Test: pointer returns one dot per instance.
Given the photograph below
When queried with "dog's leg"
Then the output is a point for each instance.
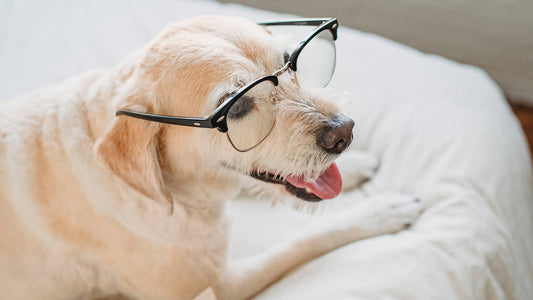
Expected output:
(378, 215)
(356, 167)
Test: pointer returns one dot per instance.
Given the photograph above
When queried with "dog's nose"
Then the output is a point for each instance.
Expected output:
(337, 135)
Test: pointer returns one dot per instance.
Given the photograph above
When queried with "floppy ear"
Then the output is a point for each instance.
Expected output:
(130, 149)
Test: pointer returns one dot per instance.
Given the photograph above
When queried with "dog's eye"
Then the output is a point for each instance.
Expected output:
(241, 108)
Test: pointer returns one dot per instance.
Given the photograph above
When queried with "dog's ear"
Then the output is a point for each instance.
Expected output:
(129, 148)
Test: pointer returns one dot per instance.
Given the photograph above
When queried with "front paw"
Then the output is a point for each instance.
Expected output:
(390, 213)
(356, 167)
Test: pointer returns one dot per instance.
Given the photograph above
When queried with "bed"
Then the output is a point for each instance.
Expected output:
(440, 130)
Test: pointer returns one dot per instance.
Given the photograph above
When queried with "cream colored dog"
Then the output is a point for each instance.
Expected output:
(95, 205)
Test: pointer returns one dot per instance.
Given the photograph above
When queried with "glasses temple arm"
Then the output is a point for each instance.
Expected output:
(305, 22)
(183, 121)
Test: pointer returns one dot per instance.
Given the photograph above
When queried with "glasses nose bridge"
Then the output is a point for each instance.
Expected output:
(279, 72)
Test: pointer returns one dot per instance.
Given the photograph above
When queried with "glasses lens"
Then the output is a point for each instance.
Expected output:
(251, 117)
(316, 61)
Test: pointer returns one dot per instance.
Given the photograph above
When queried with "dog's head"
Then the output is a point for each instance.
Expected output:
(190, 69)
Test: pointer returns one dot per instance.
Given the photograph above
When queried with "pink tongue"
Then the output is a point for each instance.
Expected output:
(327, 186)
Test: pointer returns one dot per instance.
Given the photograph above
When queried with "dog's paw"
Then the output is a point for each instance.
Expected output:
(356, 168)
(390, 213)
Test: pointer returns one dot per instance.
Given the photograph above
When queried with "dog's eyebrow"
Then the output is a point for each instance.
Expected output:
(232, 89)
(223, 98)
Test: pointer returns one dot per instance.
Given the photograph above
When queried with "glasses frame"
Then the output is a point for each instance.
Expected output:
(218, 118)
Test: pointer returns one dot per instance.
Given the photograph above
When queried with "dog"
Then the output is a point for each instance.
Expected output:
(96, 204)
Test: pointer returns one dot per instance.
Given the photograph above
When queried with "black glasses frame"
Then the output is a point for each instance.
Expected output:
(217, 119)
(331, 24)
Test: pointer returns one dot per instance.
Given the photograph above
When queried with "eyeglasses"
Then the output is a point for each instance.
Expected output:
(248, 116)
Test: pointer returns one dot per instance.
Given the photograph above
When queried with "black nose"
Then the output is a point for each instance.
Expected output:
(337, 135)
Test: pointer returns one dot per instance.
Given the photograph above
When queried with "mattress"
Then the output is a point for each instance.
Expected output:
(439, 129)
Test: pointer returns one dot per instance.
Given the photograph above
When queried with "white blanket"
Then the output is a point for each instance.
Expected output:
(440, 130)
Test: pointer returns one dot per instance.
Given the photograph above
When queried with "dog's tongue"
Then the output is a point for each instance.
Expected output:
(327, 186)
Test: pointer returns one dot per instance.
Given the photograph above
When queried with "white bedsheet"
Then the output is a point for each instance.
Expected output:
(441, 131)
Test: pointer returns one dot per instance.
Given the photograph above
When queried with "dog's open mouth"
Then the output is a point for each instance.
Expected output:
(327, 186)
